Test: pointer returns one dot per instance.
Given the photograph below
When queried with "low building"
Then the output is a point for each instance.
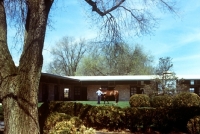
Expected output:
(54, 87)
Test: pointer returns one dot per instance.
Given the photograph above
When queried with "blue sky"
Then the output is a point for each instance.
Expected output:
(177, 35)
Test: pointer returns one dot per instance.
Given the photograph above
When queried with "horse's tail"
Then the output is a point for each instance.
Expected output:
(117, 97)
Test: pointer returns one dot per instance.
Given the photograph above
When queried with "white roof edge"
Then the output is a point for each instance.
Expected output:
(128, 77)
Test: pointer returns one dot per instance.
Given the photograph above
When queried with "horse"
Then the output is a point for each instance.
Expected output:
(108, 93)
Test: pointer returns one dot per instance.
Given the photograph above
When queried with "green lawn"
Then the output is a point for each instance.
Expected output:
(121, 104)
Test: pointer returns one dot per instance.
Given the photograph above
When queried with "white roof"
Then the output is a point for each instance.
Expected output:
(113, 78)
(127, 77)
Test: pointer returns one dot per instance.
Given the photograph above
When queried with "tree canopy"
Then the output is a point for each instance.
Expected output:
(119, 60)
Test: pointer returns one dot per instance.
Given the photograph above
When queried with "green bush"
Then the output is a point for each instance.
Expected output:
(52, 119)
(72, 126)
(193, 125)
(162, 101)
(55, 117)
(139, 100)
(137, 118)
(186, 99)
(109, 117)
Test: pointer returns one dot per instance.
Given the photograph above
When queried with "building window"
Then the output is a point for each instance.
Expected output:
(192, 82)
(66, 93)
(191, 90)
(133, 91)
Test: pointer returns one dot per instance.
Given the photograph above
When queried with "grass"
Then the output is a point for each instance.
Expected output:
(121, 104)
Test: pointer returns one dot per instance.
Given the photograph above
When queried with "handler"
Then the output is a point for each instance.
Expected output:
(99, 93)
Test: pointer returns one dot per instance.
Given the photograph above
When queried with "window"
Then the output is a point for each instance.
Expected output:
(191, 90)
(66, 92)
(133, 91)
(192, 82)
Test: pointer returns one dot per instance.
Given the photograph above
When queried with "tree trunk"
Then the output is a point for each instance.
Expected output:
(19, 85)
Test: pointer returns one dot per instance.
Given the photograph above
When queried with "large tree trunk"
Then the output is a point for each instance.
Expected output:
(19, 85)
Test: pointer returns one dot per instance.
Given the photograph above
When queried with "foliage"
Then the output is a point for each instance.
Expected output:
(120, 59)
(61, 123)
(186, 99)
(52, 119)
(163, 119)
(162, 101)
(139, 117)
(68, 127)
(110, 117)
(139, 100)
(70, 108)
(193, 125)
(165, 76)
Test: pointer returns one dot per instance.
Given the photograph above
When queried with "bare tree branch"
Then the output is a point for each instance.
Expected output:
(102, 13)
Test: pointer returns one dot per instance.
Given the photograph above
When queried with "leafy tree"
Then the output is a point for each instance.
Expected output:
(119, 60)
(141, 62)
(165, 65)
(66, 56)
(165, 79)
(167, 76)
(19, 84)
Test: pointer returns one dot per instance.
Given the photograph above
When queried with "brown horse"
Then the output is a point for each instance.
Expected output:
(108, 93)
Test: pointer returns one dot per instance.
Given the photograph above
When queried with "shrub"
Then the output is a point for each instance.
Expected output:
(52, 119)
(137, 118)
(186, 99)
(109, 117)
(193, 125)
(72, 126)
(161, 101)
(139, 100)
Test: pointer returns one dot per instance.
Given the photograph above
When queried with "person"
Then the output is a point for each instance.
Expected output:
(99, 93)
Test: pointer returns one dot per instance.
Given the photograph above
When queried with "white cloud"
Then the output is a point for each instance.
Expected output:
(193, 36)
(193, 58)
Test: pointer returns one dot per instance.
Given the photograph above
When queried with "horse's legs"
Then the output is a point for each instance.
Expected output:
(116, 98)
(106, 99)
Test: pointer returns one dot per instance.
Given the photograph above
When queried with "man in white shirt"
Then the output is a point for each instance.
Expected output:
(99, 93)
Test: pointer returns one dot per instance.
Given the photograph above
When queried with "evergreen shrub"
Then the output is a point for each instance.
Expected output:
(139, 100)
(52, 119)
(162, 101)
(186, 99)
(109, 117)
(137, 118)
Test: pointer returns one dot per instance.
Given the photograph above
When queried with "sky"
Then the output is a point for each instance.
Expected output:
(176, 36)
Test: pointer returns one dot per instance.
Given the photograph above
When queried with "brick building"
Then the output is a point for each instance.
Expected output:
(54, 87)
